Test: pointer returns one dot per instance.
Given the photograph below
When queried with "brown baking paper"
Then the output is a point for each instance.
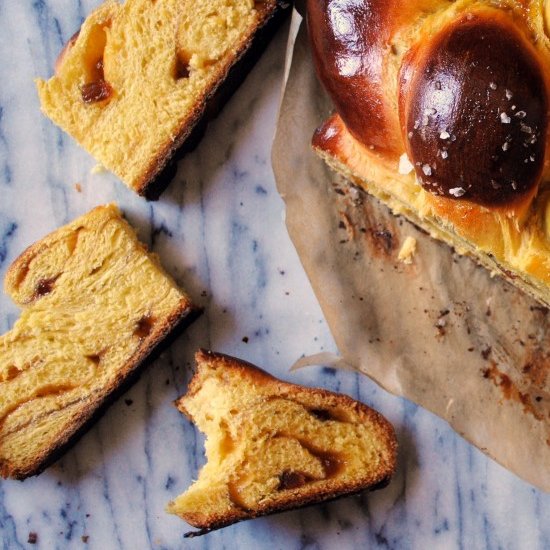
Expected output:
(440, 330)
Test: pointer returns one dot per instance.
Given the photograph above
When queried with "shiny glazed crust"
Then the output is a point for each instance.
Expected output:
(418, 151)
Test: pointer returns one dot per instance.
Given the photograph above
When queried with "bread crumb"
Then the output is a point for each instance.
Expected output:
(347, 225)
(33, 538)
(78, 187)
(407, 251)
(98, 169)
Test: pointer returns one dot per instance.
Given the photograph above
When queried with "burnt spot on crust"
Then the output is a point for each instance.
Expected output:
(473, 108)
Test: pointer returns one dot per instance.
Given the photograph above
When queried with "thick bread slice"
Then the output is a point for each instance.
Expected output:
(95, 305)
(272, 446)
(139, 76)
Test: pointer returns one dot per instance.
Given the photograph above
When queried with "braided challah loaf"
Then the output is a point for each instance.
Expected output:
(442, 113)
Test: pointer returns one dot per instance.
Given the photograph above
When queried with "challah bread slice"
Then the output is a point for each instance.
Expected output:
(95, 305)
(139, 76)
(272, 445)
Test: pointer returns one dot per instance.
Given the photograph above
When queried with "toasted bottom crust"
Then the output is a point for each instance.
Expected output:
(329, 497)
(135, 366)
(164, 167)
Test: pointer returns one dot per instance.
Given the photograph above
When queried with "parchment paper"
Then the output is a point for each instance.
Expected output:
(440, 331)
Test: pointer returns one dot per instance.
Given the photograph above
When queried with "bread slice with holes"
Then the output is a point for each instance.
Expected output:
(138, 77)
(95, 306)
(272, 445)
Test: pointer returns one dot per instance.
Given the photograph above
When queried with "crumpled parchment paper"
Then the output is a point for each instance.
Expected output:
(439, 331)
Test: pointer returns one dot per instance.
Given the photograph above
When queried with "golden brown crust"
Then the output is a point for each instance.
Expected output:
(208, 360)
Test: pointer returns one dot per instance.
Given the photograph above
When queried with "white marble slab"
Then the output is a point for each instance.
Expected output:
(219, 230)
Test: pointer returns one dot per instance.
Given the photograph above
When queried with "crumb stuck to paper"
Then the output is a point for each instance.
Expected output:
(78, 187)
(408, 250)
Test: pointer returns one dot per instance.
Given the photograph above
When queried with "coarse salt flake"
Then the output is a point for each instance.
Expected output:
(457, 191)
(444, 135)
(405, 165)
(427, 169)
(505, 119)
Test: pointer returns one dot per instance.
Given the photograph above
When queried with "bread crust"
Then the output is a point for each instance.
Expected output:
(334, 489)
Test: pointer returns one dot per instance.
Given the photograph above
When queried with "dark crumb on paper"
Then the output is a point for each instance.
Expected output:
(78, 187)
(471, 349)
(488, 312)
(540, 309)
(384, 238)
(85, 538)
(167, 382)
(128, 402)
(245, 339)
(33, 538)
(440, 328)
(337, 189)
(204, 294)
(485, 352)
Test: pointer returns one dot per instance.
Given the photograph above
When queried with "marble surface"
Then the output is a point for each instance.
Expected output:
(219, 229)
